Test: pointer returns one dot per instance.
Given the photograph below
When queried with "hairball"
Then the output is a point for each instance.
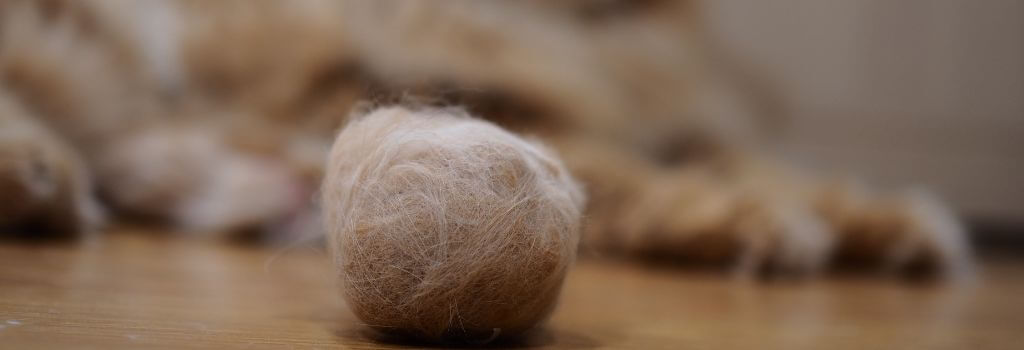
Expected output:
(447, 228)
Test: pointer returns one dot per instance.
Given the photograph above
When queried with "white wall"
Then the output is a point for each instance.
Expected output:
(904, 92)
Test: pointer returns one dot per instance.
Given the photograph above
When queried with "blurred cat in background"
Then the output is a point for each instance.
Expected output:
(216, 116)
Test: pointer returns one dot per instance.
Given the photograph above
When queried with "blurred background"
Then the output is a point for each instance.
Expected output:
(217, 116)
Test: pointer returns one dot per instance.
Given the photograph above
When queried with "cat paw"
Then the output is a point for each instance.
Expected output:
(911, 233)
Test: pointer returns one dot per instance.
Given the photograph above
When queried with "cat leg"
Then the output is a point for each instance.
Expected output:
(692, 215)
(190, 178)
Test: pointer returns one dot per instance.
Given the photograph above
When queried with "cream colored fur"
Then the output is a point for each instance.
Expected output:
(182, 109)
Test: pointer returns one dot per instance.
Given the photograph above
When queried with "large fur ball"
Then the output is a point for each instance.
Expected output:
(447, 228)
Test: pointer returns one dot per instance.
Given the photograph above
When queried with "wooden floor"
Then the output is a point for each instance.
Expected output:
(142, 290)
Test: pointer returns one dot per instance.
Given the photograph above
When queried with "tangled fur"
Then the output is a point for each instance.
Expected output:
(448, 228)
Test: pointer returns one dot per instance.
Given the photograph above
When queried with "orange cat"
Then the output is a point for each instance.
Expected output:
(217, 116)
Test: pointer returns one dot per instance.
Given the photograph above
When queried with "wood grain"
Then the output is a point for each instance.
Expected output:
(130, 290)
